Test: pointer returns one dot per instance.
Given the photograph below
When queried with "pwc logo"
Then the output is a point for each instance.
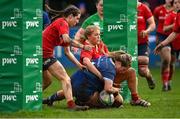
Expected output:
(8, 24)
(30, 98)
(32, 24)
(32, 61)
(8, 98)
(6, 61)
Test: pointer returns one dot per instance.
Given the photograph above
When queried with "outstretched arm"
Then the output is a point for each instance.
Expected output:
(75, 43)
(72, 58)
(169, 39)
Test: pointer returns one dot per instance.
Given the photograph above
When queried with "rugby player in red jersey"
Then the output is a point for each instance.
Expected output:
(173, 35)
(160, 13)
(57, 34)
(175, 45)
(144, 17)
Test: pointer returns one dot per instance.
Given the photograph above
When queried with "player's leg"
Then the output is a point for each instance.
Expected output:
(172, 68)
(165, 68)
(46, 74)
(76, 80)
(46, 79)
(143, 62)
(130, 76)
(58, 71)
(165, 55)
(132, 84)
(55, 97)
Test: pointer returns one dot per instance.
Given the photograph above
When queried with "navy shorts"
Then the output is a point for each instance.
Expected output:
(48, 62)
(160, 38)
(84, 84)
(143, 50)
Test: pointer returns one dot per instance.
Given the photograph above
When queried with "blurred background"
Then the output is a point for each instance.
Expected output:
(88, 8)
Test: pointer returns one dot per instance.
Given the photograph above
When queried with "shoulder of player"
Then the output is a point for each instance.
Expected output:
(144, 6)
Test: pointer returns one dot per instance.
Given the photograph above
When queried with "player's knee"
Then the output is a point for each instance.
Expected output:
(143, 69)
(165, 64)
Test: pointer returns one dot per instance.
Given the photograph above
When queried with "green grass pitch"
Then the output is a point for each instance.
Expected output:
(164, 104)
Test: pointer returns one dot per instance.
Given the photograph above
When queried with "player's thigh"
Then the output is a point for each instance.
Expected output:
(46, 76)
(58, 71)
(165, 53)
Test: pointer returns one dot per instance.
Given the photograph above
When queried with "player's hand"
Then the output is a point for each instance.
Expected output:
(143, 34)
(158, 48)
(87, 47)
(81, 66)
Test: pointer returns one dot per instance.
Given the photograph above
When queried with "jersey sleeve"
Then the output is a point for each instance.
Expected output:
(148, 12)
(177, 24)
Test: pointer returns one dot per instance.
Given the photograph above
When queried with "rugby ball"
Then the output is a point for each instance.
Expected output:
(106, 99)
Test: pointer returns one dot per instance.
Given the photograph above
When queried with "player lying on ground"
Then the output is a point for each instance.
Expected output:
(92, 36)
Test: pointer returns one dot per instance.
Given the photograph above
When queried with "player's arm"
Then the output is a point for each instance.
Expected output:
(169, 39)
(150, 28)
(78, 35)
(167, 28)
(74, 43)
(72, 58)
(91, 67)
(108, 86)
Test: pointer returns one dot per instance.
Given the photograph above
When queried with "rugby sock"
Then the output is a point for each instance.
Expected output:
(165, 77)
(71, 104)
(134, 96)
(53, 97)
(171, 72)
(56, 97)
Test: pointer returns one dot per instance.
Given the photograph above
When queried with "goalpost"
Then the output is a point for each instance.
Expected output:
(120, 31)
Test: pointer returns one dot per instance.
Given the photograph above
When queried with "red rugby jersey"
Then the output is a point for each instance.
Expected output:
(160, 13)
(52, 36)
(95, 53)
(144, 13)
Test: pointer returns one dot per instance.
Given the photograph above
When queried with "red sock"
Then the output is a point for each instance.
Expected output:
(135, 96)
(71, 104)
(171, 73)
(165, 77)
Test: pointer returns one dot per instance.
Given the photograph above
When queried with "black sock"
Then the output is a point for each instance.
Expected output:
(54, 97)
